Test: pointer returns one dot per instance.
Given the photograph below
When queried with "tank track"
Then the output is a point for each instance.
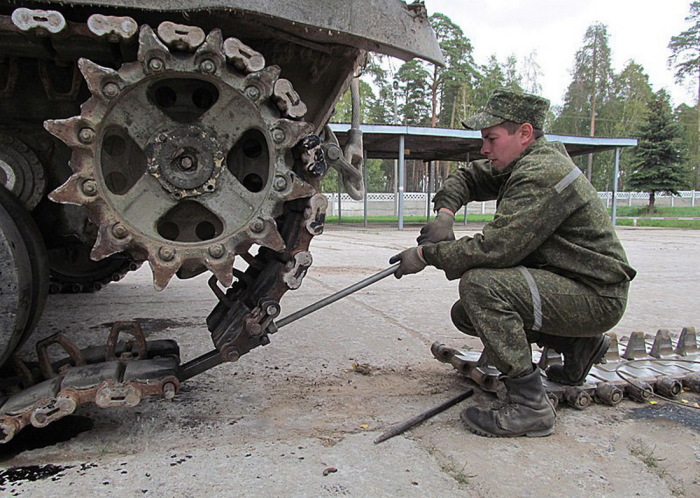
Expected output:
(662, 367)
(119, 374)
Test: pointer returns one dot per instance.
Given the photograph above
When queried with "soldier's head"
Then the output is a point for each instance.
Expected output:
(509, 123)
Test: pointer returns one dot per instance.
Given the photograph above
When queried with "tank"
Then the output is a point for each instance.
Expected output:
(134, 132)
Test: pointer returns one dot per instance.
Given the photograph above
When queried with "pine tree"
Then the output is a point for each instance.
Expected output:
(589, 89)
(658, 164)
(685, 58)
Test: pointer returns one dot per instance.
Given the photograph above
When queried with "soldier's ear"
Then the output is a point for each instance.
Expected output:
(526, 132)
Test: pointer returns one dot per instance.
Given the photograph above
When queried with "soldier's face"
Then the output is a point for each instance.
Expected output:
(500, 147)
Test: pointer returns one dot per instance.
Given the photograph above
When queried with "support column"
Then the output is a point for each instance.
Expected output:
(431, 182)
(365, 180)
(340, 189)
(402, 178)
(614, 186)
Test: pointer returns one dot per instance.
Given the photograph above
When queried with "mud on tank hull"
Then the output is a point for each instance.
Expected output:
(133, 132)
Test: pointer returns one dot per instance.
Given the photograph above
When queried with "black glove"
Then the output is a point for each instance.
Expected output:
(411, 261)
(437, 230)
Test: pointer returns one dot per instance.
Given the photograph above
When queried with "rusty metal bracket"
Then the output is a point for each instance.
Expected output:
(139, 340)
(42, 352)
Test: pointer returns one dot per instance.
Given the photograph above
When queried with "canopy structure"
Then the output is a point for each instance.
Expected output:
(446, 144)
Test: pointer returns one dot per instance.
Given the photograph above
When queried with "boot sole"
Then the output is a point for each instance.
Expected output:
(481, 432)
(596, 358)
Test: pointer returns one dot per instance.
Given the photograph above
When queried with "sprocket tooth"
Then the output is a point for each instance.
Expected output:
(222, 268)
(264, 80)
(162, 271)
(69, 131)
(101, 81)
(264, 232)
(287, 133)
(150, 46)
(212, 47)
(69, 192)
(105, 245)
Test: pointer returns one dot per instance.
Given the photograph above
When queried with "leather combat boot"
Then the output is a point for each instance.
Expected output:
(527, 411)
(580, 354)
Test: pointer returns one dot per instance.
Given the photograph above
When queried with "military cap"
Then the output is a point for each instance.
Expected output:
(508, 105)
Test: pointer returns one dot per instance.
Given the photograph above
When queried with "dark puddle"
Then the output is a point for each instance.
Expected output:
(31, 438)
(689, 417)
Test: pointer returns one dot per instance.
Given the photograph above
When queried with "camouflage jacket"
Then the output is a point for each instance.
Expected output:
(548, 216)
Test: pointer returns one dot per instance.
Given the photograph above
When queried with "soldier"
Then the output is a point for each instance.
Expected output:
(549, 268)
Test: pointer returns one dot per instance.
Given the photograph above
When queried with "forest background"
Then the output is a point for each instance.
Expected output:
(598, 102)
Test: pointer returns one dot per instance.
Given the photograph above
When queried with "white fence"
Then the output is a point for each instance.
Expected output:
(418, 203)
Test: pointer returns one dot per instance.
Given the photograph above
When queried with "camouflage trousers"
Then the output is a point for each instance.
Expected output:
(510, 308)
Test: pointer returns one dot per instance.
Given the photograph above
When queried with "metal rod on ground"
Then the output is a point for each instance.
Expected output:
(422, 417)
(338, 295)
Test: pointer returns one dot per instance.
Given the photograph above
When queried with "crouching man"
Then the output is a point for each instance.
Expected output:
(549, 268)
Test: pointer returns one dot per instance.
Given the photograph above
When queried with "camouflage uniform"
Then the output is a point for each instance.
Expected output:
(549, 262)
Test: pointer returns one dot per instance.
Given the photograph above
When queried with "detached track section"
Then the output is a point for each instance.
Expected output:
(664, 367)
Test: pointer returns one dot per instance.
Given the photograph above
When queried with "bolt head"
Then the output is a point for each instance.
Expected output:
(217, 251)
(207, 66)
(89, 187)
(333, 153)
(119, 231)
(110, 90)
(156, 64)
(86, 135)
(280, 183)
(278, 135)
(166, 253)
(257, 225)
(252, 92)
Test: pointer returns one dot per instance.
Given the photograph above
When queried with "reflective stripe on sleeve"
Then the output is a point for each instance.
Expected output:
(567, 180)
(536, 300)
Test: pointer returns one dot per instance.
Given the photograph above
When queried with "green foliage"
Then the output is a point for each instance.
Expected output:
(590, 85)
(685, 47)
(413, 86)
(685, 59)
(688, 119)
(658, 164)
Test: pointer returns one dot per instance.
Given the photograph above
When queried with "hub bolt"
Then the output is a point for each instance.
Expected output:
(252, 92)
(207, 66)
(110, 90)
(156, 64)
(216, 251)
(89, 187)
(278, 135)
(187, 163)
(280, 183)
(119, 231)
(86, 135)
(166, 253)
(257, 225)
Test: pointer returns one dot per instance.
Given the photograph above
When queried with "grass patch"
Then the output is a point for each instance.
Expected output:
(641, 222)
(663, 211)
(644, 219)
(645, 454)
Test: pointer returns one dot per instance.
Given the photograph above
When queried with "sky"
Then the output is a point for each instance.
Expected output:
(638, 30)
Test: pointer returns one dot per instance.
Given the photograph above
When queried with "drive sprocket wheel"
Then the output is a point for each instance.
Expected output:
(184, 156)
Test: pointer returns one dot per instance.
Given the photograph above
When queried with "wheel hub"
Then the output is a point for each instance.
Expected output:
(186, 161)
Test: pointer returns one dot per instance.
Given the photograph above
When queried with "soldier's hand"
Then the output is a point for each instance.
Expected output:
(439, 229)
(411, 261)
